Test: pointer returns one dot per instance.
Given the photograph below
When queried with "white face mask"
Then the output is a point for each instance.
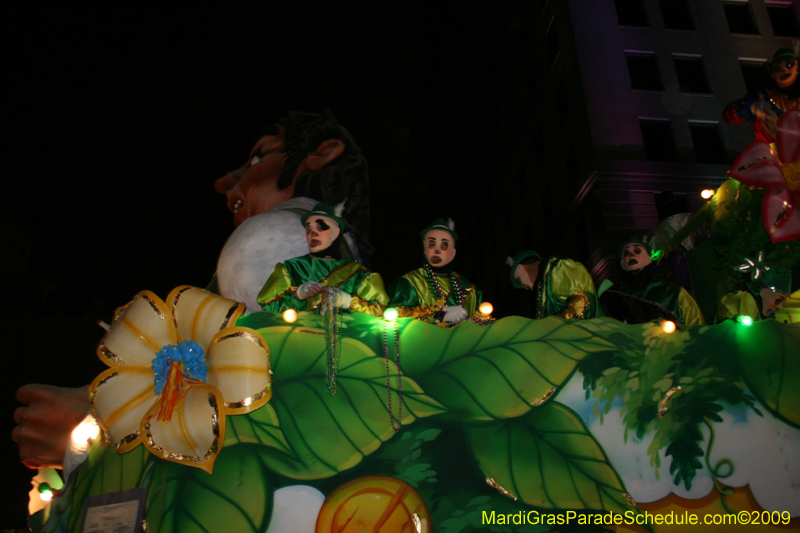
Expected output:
(634, 257)
(784, 73)
(321, 231)
(771, 301)
(439, 247)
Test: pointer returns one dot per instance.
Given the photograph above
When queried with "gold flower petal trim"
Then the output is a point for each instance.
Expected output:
(540, 401)
(123, 398)
(630, 499)
(662, 407)
(791, 174)
(492, 483)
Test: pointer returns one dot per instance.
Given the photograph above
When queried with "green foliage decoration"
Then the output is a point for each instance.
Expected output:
(104, 471)
(485, 374)
(670, 389)
(768, 353)
(549, 459)
(498, 383)
(319, 434)
(236, 497)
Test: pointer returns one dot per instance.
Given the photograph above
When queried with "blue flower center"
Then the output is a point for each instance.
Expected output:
(191, 361)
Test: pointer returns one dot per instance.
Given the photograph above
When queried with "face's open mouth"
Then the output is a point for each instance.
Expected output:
(632, 261)
(436, 259)
(235, 203)
(314, 243)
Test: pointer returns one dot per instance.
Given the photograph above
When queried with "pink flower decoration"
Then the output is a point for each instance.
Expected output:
(757, 165)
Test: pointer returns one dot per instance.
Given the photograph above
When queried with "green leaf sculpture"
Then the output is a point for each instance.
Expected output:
(258, 427)
(104, 471)
(323, 434)
(499, 381)
(489, 373)
(549, 459)
(237, 497)
(768, 354)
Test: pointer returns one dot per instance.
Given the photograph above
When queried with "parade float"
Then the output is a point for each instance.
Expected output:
(216, 420)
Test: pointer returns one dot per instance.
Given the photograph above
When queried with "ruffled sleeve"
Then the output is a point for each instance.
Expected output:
(371, 297)
(404, 295)
(568, 282)
(739, 111)
(689, 310)
(735, 304)
(278, 294)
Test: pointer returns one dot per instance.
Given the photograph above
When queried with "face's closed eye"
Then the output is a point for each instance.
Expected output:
(320, 233)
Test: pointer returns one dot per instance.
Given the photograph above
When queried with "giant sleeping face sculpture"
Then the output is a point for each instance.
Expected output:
(635, 256)
(439, 247)
(253, 188)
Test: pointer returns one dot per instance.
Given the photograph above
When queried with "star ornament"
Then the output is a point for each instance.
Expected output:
(779, 173)
(755, 267)
(177, 369)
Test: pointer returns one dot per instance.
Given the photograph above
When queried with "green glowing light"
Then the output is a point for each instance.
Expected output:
(744, 320)
(390, 314)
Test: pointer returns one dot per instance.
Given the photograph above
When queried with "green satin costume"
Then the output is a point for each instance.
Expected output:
(671, 297)
(366, 288)
(413, 295)
(564, 279)
(738, 303)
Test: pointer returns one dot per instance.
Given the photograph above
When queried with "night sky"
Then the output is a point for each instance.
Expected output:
(117, 123)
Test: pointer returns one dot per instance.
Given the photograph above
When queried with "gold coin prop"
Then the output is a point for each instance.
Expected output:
(374, 504)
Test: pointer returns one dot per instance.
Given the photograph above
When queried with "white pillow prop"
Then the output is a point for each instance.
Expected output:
(256, 246)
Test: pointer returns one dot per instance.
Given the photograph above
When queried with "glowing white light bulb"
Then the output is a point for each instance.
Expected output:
(86, 431)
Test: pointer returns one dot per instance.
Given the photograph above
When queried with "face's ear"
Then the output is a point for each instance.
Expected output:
(335, 229)
(326, 152)
(522, 276)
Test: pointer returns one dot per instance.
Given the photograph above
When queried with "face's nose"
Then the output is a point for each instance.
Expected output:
(225, 183)
(228, 181)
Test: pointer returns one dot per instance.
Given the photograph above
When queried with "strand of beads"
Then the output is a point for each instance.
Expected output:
(333, 341)
(437, 289)
(391, 324)
(540, 301)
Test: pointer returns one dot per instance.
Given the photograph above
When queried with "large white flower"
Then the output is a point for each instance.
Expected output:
(177, 370)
